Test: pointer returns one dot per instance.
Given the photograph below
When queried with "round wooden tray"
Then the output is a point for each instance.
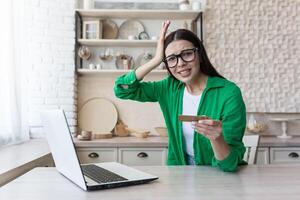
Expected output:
(98, 115)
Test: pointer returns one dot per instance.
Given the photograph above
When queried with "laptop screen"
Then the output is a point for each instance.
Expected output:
(61, 145)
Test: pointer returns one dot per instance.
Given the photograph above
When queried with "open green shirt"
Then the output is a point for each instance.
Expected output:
(220, 100)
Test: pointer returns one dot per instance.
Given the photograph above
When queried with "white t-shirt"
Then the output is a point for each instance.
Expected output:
(190, 105)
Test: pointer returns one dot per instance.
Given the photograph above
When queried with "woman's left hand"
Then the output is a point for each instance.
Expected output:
(212, 129)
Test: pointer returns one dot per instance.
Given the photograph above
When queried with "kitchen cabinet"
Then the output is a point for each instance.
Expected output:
(276, 155)
(143, 156)
(284, 155)
(129, 155)
(96, 155)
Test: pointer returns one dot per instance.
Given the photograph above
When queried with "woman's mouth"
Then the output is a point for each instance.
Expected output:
(185, 72)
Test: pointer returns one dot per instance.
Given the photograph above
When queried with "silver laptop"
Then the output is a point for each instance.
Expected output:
(87, 176)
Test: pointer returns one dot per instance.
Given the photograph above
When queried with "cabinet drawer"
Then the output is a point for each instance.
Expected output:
(143, 156)
(285, 155)
(95, 155)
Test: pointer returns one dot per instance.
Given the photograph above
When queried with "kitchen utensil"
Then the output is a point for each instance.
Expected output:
(121, 129)
(109, 29)
(124, 61)
(85, 135)
(138, 132)
(190, 118)
(84, 52)
(162, 131)
(130, 27)
(98, 115)
(107, 55)
(102, 135)
(144, 36)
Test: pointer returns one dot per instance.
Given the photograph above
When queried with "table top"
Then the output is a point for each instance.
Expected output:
(175, 182)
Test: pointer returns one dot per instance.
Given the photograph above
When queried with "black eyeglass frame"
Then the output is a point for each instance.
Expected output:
(180, 55)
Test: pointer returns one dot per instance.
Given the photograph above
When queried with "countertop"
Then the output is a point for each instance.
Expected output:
(157, 141)
(175, 182)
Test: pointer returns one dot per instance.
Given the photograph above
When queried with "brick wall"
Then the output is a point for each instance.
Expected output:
(51, 75)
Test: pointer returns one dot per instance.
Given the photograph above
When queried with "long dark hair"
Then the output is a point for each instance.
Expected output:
(183, 34)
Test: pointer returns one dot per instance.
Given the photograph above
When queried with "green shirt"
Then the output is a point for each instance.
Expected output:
(220, 100)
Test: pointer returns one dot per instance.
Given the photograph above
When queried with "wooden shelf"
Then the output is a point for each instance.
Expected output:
(118, 42)
(111, 71)
(140, 14)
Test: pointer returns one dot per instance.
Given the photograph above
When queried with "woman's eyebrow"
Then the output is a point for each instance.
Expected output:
(173, 54)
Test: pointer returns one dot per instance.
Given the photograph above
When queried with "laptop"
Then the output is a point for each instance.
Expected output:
(89, 177)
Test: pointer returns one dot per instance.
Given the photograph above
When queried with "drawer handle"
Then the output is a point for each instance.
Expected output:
(293, 155)
(142, 155)
(93, 155)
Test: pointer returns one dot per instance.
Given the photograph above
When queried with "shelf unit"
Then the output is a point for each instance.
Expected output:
(111, 71)
(195, 17)
(140, 14)
(118, 43)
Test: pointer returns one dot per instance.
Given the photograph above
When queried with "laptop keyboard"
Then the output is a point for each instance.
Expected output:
(100, 175)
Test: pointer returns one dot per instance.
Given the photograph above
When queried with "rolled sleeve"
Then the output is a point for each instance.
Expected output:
(128, 86)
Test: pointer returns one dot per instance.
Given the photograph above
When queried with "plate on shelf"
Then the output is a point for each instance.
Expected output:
(124, 61)
(130, 28)
(110, 29)
(98, 115)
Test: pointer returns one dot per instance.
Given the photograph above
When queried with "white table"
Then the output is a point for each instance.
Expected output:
(186, 182)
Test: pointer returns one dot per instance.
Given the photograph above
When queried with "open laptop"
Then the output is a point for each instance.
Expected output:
(87, 176)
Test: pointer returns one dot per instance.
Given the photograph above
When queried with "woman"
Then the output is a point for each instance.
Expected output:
(193, 87)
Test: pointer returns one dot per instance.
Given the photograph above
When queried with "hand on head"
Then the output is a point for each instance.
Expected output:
(159, 55)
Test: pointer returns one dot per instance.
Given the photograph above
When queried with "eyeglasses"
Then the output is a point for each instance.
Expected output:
(187, 55)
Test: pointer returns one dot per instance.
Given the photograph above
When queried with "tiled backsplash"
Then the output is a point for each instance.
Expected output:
(256, 44)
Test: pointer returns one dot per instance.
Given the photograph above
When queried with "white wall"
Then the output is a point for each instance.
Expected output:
(51, 78)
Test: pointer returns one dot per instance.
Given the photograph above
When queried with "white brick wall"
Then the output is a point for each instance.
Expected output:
(51, 76)
(257, 45)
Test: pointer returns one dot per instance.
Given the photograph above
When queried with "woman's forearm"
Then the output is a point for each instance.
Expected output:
(143, 70)
(221, 148)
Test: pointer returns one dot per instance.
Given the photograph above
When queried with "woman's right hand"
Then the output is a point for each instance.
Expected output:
(159, 55)
(146, 68)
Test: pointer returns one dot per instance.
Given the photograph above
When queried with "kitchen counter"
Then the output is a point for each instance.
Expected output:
(157, 141)
(175, 182)
(273, 141)
(151, 141)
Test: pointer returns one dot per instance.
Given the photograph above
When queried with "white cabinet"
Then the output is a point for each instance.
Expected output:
(143, 156)
(275, 155)
(262, 156)
(284, 155)
(95, 155)
(128, 156)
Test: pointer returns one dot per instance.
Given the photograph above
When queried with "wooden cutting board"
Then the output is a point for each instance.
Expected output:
(98, 115)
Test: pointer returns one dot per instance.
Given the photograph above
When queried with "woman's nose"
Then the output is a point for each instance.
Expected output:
(180, 62)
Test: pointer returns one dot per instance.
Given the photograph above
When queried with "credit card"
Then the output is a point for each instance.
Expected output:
(191, 118)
